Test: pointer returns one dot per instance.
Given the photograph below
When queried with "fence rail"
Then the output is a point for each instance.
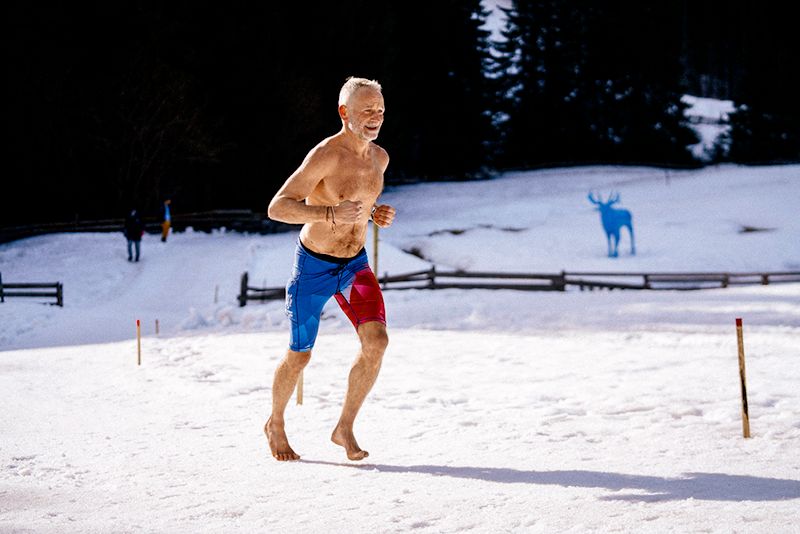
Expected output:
(676, 280)
(433, 279)
(236, 220)
(35, 290)
(247, 292)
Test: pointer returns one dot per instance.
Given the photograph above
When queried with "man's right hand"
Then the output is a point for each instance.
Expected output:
(348, 212)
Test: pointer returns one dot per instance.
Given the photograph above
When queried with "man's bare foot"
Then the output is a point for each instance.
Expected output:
(347, 440)
(278, 443)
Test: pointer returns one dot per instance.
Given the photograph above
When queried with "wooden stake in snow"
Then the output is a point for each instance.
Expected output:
(300, 388)
(216, 293)
(156, 326)
(374, 248)
(742, 381)
(138, 343)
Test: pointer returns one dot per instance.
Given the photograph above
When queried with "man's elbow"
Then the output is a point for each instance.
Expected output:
(279, 210)
(273, 210)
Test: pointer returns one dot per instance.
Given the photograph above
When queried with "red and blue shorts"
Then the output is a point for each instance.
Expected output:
(315, 279)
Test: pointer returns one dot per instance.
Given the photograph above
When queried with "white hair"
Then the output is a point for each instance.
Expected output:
(352, 84)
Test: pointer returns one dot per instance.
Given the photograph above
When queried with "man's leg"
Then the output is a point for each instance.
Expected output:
(362, 377)
(130, 251)
(282, 387)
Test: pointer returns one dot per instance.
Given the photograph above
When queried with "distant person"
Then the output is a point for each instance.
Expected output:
(166, 219)
(134, 230)
(334, 194)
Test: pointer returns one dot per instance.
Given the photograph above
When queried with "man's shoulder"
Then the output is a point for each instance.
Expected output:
(379, 149)
(326, 150)
(381, 154)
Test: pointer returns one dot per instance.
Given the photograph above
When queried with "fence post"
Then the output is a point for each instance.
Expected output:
(561, 282)
(725, 280)
(385, 279)
(764, 282)
(432, 277)
(2, 296)
(647, 281)
(243, 291)
(60, 294)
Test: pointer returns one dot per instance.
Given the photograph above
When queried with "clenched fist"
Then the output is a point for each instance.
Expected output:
(383, 216)
(348, 212)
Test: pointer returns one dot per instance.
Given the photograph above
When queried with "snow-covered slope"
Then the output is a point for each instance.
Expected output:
(494, 412)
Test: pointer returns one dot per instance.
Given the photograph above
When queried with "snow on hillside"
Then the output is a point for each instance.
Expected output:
(495, 411)
(708, 117)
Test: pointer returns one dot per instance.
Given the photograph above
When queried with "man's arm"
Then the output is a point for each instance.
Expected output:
(383, 214)
(289, 204)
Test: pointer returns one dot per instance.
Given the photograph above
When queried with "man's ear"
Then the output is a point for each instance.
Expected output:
(343, 112)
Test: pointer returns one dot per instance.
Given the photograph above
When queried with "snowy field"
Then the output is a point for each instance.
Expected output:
(495, 411)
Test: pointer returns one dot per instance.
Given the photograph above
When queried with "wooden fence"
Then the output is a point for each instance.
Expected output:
(247, 292)
(676, 281)
(433, 279)
(235, 220)
(36, 290)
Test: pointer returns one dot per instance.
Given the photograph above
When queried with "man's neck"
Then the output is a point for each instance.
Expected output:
(355, 143)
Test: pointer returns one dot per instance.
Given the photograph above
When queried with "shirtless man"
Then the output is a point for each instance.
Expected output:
(333, 194)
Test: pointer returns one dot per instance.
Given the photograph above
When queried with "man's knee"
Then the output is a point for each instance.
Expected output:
(298, 359)
(374, 339)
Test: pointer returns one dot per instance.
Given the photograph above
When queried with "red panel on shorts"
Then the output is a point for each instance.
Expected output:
(362, 302)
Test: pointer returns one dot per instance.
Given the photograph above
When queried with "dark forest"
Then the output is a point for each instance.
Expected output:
(111, 105)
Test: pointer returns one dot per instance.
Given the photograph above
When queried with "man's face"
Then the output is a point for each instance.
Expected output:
(365, 113)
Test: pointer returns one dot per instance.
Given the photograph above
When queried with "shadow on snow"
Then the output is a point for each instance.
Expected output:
(700, 486)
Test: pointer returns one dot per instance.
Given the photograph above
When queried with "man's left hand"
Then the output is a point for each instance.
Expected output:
(383, 216)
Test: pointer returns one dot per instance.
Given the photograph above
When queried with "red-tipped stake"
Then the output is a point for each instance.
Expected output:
(742, 381)
(138, 343)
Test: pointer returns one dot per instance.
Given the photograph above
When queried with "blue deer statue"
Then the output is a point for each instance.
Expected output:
(613, 219)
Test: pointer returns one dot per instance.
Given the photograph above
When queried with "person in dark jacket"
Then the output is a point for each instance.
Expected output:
(134, 230)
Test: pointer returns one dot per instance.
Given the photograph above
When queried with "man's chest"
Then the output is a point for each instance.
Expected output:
(356, 181)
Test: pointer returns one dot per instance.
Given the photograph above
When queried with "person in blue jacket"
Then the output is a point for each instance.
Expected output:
(166, 220)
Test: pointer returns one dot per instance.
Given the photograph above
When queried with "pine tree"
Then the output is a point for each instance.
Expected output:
(646, 112)
(520, 88)
(766, 125)
(438, 100)
(584, 83)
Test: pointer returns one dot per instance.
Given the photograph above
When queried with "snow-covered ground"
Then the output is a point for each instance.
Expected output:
(709, 118)
(495, 411)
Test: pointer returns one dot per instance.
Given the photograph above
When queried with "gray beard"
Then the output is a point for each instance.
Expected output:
(362, 134)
